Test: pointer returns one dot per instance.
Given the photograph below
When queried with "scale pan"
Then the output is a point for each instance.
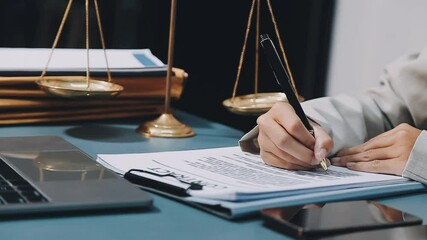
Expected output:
(253, 104)
(72, 87)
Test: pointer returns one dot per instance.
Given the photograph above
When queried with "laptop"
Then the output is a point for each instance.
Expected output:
(48, 174)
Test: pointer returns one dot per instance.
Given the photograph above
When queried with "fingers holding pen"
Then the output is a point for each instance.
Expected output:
(286, 117)
(320, 142)
(274, 156)
(323, 145)
(280, 140)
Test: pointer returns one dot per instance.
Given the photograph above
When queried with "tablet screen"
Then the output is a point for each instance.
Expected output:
(335, 218)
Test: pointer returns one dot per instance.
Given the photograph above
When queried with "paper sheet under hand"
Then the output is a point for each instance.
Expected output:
(229, 174)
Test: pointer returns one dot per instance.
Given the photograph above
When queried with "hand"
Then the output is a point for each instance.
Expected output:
(285, 142)
(388, 214)
(385, 153)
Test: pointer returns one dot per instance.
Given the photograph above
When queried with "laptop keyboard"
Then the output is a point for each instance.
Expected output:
(14, 189)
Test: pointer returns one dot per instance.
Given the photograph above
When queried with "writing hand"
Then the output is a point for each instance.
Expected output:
(385, 153)
(285, 142)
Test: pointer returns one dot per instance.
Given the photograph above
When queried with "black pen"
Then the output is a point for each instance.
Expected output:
(282, 78)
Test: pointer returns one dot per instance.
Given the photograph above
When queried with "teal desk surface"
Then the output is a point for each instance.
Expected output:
(168, 219)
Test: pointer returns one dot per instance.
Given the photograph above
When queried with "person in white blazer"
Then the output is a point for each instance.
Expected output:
(381, 131)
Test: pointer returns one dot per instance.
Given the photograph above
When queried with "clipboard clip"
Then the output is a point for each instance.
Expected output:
(151, 183)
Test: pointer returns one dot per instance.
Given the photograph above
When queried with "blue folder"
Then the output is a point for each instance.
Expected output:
(236, 210)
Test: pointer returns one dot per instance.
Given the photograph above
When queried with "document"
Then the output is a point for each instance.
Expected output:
(228, 174)
(31, 61)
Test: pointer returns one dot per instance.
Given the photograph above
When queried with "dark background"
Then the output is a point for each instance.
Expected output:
(208, 42)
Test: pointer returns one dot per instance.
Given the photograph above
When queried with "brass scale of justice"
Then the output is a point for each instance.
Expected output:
(257, 103)
(85, 87)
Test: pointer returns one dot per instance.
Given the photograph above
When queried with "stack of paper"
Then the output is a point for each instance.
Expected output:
(236, 183)
(30, 61)
(142, 75)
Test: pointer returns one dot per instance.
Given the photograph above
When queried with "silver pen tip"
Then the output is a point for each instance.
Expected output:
(323, 164)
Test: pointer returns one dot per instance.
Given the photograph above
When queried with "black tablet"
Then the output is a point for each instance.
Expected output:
(317, 220)
(405, 232)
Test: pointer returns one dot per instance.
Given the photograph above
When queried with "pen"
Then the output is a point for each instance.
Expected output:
(283, 80)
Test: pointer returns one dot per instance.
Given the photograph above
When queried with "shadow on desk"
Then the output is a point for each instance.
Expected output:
(124, 131)
(80, 213)
(216, 211)
(105, 133)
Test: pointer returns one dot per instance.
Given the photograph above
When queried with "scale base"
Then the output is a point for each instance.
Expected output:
(165, 126)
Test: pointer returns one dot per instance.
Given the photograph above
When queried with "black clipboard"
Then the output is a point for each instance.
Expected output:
(174, 192)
